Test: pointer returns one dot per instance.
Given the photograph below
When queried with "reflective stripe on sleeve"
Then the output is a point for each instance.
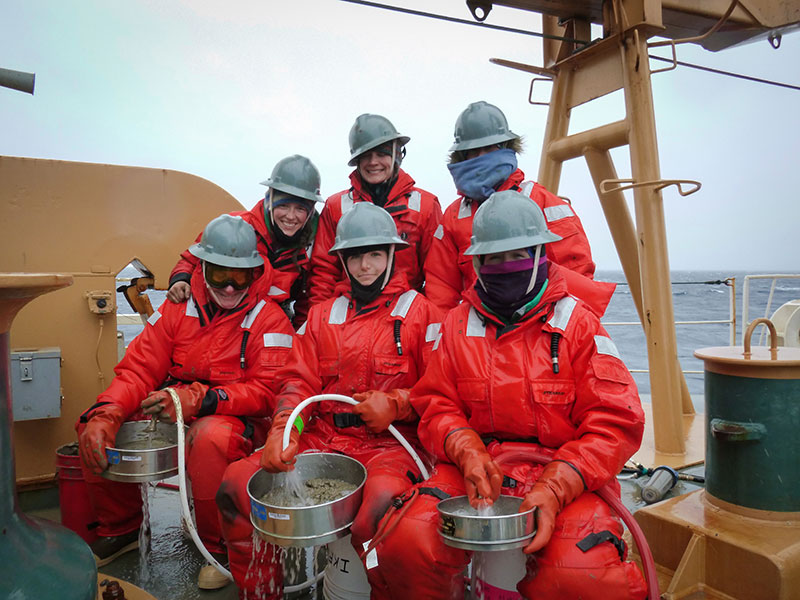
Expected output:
(439, 233)
(415, 201)
(153, 319)
(465, 209)
(556, 213)
(302, 330)
(475, 327)
(403, 304)
(191, 308)
(606, 346)
(347, 202)
(562, 313)
(277, 340)
(432, 332)
(275, 291)
(251, 316)
(338, 311)
(526, 188)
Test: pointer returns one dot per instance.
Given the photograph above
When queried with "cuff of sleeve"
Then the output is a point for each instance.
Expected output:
(185, 277)
(209, 404)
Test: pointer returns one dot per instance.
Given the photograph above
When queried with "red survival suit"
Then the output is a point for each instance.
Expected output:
(339, 352)
(499, 380)
(290, 265)
(416, 214)
(235, 354)
(444, 283)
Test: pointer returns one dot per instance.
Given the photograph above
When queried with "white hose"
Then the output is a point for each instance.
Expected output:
(287, 432)
(186, 516)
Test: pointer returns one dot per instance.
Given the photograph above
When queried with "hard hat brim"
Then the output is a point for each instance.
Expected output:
(365, 242)
(294, 191)
(403, 139)
(243, 262)
(484, 141)
(515, 243)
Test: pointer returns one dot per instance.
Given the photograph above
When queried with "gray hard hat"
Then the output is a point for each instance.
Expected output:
(296, 175)
(481, 124)
(370, 131)
(365, 225)
(508, 220)
(228, 241)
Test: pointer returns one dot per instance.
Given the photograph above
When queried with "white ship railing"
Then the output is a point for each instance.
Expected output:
(746, 299)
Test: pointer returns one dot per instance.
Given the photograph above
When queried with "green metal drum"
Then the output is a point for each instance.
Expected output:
(753, 425)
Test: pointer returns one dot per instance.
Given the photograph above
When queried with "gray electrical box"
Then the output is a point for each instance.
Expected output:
(36, 383)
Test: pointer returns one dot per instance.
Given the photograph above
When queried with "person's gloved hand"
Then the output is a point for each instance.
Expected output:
(378, 409)
(274, 458)
(100, 433)
(558, 485)
(160, 402)
(179, 291)
(482, 476)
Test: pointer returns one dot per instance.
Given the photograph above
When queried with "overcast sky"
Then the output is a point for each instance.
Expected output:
(225, 90)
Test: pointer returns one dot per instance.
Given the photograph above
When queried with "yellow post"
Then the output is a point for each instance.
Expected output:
(652, 237)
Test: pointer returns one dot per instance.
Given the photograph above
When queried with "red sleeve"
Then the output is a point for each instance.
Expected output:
(607, 410)
(185, 265)
(147, 360)
(325, 270)
(430, 224)
(435, 398)
(268, 347)
(442, 274)
(573, 250)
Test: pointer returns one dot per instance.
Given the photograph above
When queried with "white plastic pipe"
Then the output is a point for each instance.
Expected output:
(187, 516)
(287, 432)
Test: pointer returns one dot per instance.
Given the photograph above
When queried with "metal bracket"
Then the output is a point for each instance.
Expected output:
(485, 6)
(530, 92)
(658, 184)
(26, 368)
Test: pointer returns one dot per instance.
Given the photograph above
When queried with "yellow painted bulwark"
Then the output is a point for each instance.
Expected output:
(88, 221)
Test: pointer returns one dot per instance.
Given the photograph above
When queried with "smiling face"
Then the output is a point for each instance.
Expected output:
(366, 267)
(375, 166)
(290, 217)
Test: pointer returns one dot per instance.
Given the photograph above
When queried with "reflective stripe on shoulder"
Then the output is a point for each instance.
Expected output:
(475, 327)
(562, 313)
(302, 330)
(403, 304)
(526, 188)
(338, 311)
(277, 340)
(153, 319)
(275, 291)
(191, 308)
(438, 339)
(250, 317)
(556, 213)
(432, 332)
(347, 202)
(606, 346)
(465, 209)
(439, 233)
(415, 201)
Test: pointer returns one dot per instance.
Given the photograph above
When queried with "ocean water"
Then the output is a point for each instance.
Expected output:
(696, 296)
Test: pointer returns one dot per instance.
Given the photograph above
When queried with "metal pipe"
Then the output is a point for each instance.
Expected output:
(17, 80)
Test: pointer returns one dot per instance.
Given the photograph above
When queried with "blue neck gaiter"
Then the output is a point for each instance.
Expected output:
(477, 178)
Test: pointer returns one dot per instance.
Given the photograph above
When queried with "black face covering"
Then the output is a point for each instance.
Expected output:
(380, 191)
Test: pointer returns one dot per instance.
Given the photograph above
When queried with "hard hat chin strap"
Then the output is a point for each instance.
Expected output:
(536, 257)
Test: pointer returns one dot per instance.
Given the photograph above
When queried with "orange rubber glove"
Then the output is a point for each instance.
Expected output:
(378, 409)
(100, 433)
(274, 458)
(558, 485)
(482, 476)
(160, 402)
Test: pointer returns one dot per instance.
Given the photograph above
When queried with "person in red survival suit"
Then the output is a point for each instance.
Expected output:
(218, 350)
(483, 159)
(371, 342)
(521, 364)
(376, 150)
(286, 223)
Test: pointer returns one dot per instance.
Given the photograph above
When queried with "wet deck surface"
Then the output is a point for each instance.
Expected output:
(173, 562)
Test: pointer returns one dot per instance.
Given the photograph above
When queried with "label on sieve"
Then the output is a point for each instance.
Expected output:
(131, 458)
(279, 516)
